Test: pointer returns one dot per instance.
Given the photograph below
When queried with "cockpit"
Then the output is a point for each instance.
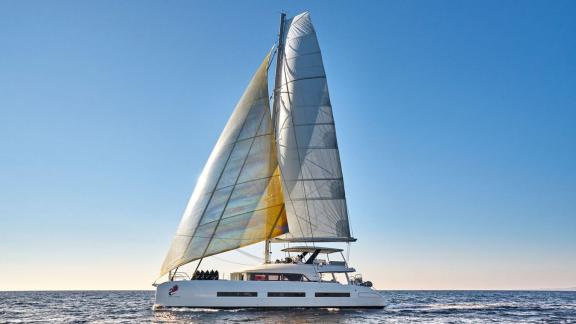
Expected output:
(300, 264)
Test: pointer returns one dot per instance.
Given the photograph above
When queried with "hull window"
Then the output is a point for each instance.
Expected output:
(329, 294)
(293, 277)
(237, 294)
(277, 277)
(286, 294)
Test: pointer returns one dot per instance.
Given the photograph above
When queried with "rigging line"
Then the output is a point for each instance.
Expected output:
(272, 52)
(348, 252)
(226, 250)
(259, 259)
(234, 238)
(198, 265)
(174, 274)
(224, 260)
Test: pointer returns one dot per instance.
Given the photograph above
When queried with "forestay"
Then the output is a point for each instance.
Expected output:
(238, 199)
(308, 151)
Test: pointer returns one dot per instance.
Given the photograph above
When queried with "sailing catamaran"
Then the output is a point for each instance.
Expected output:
(273, 176)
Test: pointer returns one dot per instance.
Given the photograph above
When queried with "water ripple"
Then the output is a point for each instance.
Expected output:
(402, 306)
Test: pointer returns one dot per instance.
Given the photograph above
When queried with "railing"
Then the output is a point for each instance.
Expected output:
(357, 280)
(181, 276)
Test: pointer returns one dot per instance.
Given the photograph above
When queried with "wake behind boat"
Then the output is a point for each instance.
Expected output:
(273, 176)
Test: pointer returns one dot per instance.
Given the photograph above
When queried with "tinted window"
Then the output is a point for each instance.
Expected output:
(329, 294)
(236, 294)
(258, 277)
(276, 277)
(292, 277)
(286, 294)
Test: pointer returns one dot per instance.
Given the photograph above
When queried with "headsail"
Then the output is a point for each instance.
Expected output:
(238, 198)
(308, 151)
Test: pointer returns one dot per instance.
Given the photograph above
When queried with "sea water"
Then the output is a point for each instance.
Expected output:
(402, 306)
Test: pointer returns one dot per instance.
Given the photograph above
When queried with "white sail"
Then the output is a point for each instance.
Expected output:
(308, 151)
(238, 198)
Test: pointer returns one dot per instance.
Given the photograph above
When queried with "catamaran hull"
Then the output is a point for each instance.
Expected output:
(262, 294)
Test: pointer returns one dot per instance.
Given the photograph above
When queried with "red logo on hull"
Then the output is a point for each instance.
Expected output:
(173, 290)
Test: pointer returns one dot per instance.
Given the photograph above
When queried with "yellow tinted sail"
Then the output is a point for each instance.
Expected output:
(238, 199)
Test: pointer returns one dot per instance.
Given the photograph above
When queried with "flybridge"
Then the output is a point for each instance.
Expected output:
(271, 175)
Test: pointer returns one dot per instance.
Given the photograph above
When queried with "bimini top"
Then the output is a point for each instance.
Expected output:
(311, 249)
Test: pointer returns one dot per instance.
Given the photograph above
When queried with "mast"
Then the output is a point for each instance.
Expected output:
(277, 78)
(279, 56)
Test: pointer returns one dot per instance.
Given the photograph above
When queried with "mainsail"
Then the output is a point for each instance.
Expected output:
(238, 199)
(307, 148)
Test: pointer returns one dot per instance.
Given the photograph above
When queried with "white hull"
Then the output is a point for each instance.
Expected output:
(205, 294)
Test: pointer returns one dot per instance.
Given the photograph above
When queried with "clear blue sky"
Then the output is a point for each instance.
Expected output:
(456, 123)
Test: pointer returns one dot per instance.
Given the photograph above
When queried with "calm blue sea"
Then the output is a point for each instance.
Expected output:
(403, 306)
